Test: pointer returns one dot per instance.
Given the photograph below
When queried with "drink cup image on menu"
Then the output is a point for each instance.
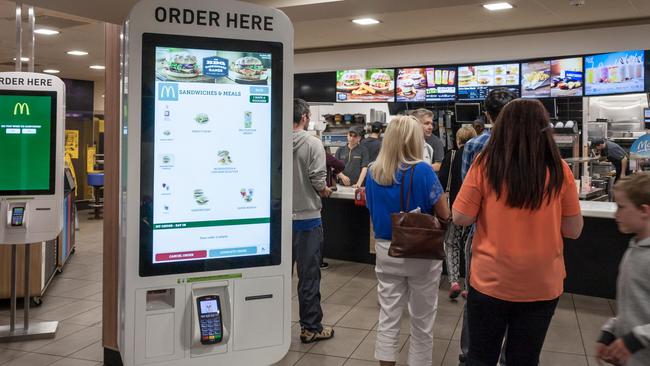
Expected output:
(248, 119)
(615, 73)
(224, 157)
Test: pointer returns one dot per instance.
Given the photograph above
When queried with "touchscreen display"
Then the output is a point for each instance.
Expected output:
(27, 142)
(615, 73)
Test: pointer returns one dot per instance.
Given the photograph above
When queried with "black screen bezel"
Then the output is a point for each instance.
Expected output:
(53, 104)
(516, 89)
(149, 43)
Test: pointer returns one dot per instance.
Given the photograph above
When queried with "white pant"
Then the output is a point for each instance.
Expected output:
(405, 281)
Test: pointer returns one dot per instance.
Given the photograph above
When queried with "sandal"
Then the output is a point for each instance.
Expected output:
(308, 336)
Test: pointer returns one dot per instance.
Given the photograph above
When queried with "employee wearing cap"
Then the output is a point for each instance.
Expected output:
(613, 153)
(356, 159)
(373, 142)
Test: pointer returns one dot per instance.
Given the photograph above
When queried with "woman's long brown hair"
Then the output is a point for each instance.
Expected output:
(521, 154)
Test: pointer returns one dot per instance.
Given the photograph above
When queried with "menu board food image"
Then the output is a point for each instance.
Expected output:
(475, 82)
(411, 85)
(536, 79)
(441, 84)
(365, 85)
(212, 196)
(615, 73)
(566, 77)
(206, 66)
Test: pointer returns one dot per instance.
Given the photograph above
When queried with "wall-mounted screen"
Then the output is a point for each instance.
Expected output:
(207, 202)
(365, 85)
(27, 142)
(426, 84)
(646, 114)
(411, 85)
(615, 73)
(467, 112)
(567, 77)
(536, 79)
(475, 82)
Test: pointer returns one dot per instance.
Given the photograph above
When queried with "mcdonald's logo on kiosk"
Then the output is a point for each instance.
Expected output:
(168, 91)
(21, 108)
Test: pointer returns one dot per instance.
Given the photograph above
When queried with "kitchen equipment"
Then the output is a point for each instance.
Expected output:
(347, 118)
(359, 118)
(338, 118)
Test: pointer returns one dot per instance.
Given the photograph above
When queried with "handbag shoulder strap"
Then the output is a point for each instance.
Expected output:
(451, 164)
(408, 191)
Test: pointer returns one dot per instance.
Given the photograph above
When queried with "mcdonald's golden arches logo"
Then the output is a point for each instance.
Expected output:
(21, 108)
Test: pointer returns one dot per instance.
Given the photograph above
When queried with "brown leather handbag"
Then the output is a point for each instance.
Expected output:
(416, 235)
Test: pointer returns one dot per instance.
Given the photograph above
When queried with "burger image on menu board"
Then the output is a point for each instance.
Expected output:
(182, 66)
(350, 80)
(249, 69)
(406, 89)
(380, 81)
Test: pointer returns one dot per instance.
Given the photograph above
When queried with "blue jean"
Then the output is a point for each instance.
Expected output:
(307, 254)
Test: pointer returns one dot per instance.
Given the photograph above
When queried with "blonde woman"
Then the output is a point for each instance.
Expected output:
(450, 177)
(404, 281)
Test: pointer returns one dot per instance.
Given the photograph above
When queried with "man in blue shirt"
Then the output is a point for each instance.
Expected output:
(493, 104)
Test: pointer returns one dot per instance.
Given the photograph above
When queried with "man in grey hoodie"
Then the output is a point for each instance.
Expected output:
(309, 173)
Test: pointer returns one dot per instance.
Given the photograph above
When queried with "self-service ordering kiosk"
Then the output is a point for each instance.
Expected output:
(32, 112)
(205, 258)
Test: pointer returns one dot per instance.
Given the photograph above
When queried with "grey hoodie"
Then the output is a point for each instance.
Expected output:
(632, 322)
(309, 175)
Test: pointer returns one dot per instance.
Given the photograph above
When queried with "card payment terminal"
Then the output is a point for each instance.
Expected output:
(209, 308)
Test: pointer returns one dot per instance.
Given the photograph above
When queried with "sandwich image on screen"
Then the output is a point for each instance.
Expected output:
(182, 66)
(248, 69)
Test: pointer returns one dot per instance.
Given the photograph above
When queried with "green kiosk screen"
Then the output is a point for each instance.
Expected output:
(27, 142)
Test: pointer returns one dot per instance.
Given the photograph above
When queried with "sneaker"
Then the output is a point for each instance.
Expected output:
(454, 291)
(461, 360)
(307, 336)
(464, 294)
(324, 265)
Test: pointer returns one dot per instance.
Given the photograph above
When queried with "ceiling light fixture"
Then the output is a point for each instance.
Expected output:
(51, 71)
(23, 59)
(77, 53)
(46, 32)
(97, 67)
(365, 21)
(497, 6)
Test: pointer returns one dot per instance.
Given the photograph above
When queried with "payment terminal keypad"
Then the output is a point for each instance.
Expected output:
(209, 308)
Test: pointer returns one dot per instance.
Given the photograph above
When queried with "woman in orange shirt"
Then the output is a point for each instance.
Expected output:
(523, 198)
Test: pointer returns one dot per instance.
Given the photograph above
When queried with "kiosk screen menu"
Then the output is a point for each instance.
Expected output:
(216, 115)
(27, 142)
(475, 82)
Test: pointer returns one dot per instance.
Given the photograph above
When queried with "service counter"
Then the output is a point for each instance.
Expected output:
(591, 261)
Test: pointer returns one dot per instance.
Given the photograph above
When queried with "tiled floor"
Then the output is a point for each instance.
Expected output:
(349, 304)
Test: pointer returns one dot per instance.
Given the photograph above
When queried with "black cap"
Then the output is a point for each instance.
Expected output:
(596, 142)
(355, 130)
(376, 127)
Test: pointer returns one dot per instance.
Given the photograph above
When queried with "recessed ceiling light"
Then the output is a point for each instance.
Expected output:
(497, 6)
(23, 59)
(77, 53)
(51, 71)
(97, 67)
(365, 21)
(46, 32)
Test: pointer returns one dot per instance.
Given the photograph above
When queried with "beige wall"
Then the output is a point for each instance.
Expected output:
(476, 50)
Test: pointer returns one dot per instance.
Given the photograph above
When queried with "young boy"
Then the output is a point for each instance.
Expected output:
(625, 339)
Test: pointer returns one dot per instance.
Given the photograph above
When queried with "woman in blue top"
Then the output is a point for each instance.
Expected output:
(404, 281)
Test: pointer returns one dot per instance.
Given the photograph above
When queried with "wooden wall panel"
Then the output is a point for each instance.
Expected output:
(111, 184)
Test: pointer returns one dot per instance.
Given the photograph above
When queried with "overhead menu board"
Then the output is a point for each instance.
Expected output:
(426, 84)
(212, 106)
(567, 77)
(536, 79)
(475, 82)
(27, 142)
(615, 73)
(365, 85)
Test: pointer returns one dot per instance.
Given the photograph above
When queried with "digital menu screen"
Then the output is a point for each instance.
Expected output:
(208, 198)
(426, 84)
(615, 73)
(536, 79)
(475, 82)
(365, 85)
(27, 142)
(567, 77)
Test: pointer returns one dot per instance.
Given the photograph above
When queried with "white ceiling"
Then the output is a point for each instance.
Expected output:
(319, 26)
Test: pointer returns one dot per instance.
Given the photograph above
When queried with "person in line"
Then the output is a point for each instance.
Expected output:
(356, 159)
(523, 199)
(435, 150)
(625, 339)
(404, 282)
(309, 186)
(479, 125)
(449, 175)
(493, 104)
(373, 142)
(613, 153)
